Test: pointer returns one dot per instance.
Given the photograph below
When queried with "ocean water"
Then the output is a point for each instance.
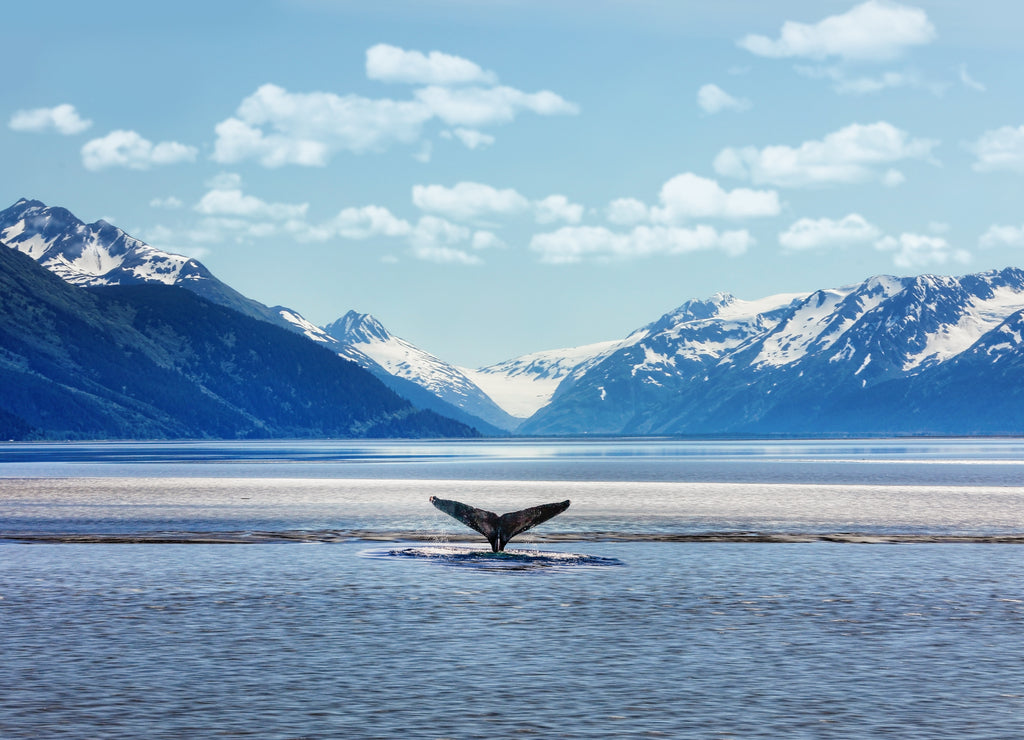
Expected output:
(359, 611)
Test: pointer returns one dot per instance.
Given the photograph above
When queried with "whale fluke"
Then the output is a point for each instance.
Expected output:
(498, 529)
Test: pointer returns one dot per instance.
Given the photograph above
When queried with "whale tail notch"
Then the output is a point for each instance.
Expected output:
(499, 529)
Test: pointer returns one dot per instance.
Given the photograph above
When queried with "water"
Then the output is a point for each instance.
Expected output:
(372, 616)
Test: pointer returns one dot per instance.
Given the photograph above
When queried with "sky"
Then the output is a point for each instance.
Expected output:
(491, 178)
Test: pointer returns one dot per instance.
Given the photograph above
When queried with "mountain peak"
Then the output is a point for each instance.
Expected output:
(358, 327)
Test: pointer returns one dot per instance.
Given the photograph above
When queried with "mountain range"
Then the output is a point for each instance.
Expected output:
(150, 360)
(890, 355)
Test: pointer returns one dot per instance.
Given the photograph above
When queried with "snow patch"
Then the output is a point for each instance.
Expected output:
(311, 330)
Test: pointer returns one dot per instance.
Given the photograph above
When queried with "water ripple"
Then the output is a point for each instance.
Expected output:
(509, 560)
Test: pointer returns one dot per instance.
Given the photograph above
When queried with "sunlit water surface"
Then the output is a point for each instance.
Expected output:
(428, 638)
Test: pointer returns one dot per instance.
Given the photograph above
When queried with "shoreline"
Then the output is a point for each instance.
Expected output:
(332, 536)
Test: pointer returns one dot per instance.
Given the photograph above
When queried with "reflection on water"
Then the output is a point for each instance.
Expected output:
(511, 559)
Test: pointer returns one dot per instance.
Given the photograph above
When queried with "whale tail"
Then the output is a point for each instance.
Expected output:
(499, 529)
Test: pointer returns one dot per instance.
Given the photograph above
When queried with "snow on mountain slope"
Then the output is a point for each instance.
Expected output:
(89, 254)
(102, 254)
(523, 385)
(365, 334)
(774, 365)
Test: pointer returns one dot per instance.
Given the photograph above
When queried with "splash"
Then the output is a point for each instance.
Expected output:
(507, 560)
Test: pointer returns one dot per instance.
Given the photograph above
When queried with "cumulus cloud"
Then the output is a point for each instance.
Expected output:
(893, 178)
(557, 208)
(277, 127)
(468, 201)
(687, 197)
(713, 99)
(1002, 236)
(999, 149)
(470, 138)
(823, 233)
(234, 203)
(851, 154)
(876, 30)
(690, 196)
(436, 240)
(63, 119)
(487, 240)
(484, 106)
(627, 211)
(129, 149)
(572, 244)
(224, 181)
(393, 64)
(359, 223)
(912, 251)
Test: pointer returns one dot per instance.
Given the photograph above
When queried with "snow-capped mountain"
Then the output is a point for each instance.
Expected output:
(362, 335)
(790, 363)
(102, 254)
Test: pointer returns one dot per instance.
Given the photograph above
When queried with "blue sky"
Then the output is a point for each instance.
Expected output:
(496, 178)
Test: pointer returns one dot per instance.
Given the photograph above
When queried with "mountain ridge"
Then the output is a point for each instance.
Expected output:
(158, 362)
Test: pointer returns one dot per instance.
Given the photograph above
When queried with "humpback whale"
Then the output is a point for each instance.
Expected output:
(498, 529)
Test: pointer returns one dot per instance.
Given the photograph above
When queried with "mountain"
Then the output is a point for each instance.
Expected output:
(101, 254)
(364, 335)
(157, 361)
(884, 356)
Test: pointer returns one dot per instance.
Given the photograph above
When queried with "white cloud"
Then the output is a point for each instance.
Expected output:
(224, 181)
(1002, 236)
(912, 251)
(434, 240)
(713, 99)
(487, 240)
(969, 81)
(392, 64)
(129, 149)
(848, 155)
(468, 201)
(627, 211)
(572, 244)
(557, 208)
(822, 233)
(63, 119)
(234, 203)
(169, 203)
(1000, 149)
(217, 229)
(893, 178)
(278, 127)
(690, 196)
(471, 138)
(353, 223)
(845, 84)
(480, 106)
(876, 30)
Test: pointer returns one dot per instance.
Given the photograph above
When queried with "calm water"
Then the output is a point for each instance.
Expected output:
(580, 638)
